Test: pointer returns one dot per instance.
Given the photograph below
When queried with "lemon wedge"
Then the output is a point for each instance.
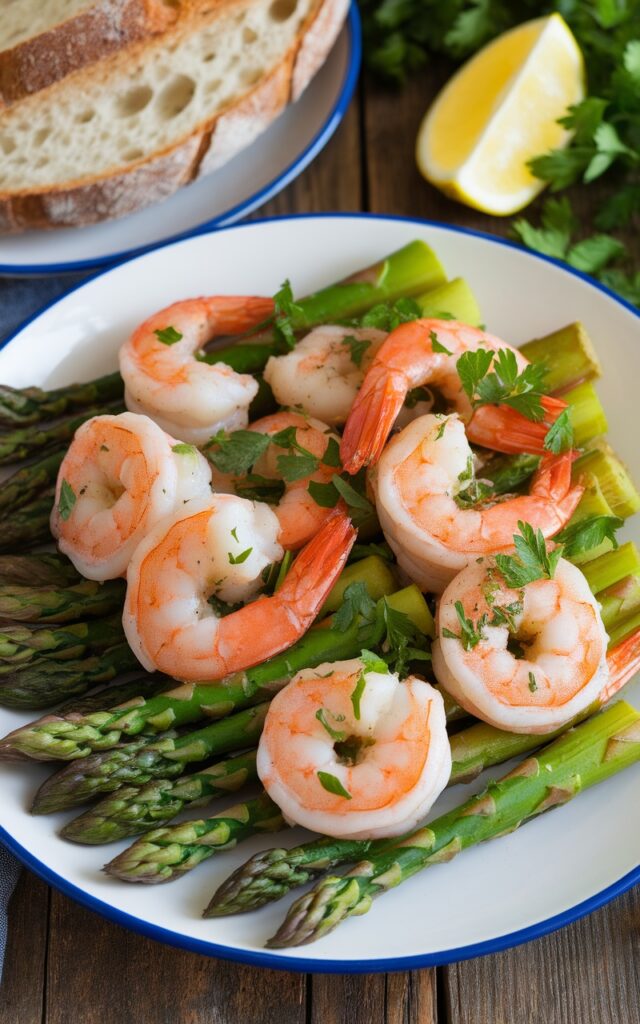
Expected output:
(500, 110)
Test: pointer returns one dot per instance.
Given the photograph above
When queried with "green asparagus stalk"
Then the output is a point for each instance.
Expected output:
(612, 567)
(623, 629)
(20, 645)
(23, 442)
(25, 406)
(145, 758)
(569, 355)
(453, 298)
(620, 602)
(28, 482)
(413, 269)
(45, 683)
(586, 412)
(376, 572)
(41, 570)
(47, 604)
(615, 482)
(130, 811)
(168, 853)
(73, 736)
(28, 526)
(581, 758)
(146, 685)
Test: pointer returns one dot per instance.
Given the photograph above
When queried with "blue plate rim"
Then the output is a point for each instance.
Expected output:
(246, 206)
(258, 958)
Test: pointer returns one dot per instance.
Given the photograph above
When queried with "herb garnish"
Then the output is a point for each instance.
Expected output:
(66, 500)
(168, 335)
(333, 785)
(532, 561)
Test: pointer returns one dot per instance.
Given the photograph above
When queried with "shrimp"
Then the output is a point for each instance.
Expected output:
(216, 551)
(358, 768)
(299, 516)
(407, 360)
(164, 378)
(559, 667)
(120, 476)
(421, 473)
(322, 374)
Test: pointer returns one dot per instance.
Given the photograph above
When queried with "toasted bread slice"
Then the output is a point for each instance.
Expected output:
(42, 41)
(130, 130)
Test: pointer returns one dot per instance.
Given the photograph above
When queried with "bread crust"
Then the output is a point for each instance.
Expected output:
(153, 179)
(104, 27)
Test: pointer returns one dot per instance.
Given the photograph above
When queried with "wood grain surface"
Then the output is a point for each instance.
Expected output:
(65, 965)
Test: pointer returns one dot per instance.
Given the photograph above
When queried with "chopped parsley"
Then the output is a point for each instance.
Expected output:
(437, 346)
(357, 348)
(533, 686)
(66, 500)
(337, 735)
(470, 635)
(356, 602)
(168, 335)
(184, 449)
(287, 315)
(404, 642)
(559, 437)
(239, 559)
(333, 785)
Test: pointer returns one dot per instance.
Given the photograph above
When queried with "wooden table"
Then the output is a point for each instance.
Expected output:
(67, 966)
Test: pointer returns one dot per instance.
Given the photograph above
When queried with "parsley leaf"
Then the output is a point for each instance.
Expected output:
(470, 635)
(532, 560)
(504, 385)
(437, 346)
(357, 348)
(168, 335)
(333, 785)
(356, 601)
(386, 316)
(472, 367)
(336, 735)
(66, 500)
(260, 488)
(287, 315)
(589, 533)
(184, 449)
(300, 463)
(559, 437)
(238, 451)
(404, 641)
(371, 663)
(239, 559)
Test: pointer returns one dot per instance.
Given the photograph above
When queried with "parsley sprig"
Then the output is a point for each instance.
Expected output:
(504, 385)
(532, 560)
(238, 452)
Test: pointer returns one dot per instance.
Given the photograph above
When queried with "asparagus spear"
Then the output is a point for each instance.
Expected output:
(27, 527)
(71, 736)
(43, 683)
(41, 570)
(168, 853)
(569, 355)
(147, 685)
(20, 645)
(46, 604)
(23, 406)
(581, 758)
(271, 873)
(28, 482)
(23, 442)
(145, 758)
(130, 811)
(406, 272)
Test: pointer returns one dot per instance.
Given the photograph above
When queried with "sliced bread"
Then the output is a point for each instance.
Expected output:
(42, 41)
(130, 130)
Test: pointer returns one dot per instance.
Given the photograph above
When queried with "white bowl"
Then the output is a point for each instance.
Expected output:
(555, 869)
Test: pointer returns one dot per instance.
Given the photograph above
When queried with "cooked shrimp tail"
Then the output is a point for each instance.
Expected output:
(371, 419)
(623, 661)
(506, 430)
(316, 568)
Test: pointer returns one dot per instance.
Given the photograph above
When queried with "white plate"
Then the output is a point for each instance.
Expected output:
(550, 872)
(231, 193)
